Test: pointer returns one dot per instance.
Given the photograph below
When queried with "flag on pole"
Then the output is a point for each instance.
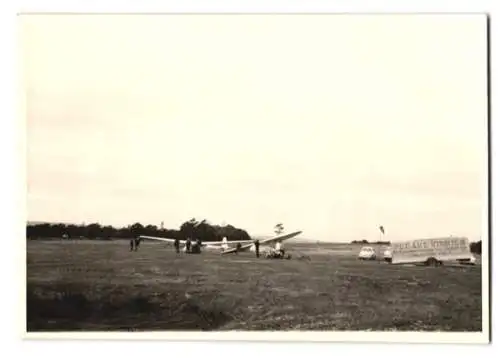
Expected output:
(382, 230)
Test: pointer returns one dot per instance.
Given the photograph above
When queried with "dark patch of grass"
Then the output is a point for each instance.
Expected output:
(63, 306)
(103, 286)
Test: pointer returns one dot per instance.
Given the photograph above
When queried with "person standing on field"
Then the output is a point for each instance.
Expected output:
(137, 243)
(257, 244)
(279, 248)
(177, 244)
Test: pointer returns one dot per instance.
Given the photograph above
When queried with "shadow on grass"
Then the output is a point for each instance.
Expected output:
(66, 307)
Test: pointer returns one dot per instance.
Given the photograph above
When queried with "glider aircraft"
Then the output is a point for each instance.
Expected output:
(224, 245)
(263, 243)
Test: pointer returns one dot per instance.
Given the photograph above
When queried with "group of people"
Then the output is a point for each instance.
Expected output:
(277, 249)
(134, 243)
(191, 246)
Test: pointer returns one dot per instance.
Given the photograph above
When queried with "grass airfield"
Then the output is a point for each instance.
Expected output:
(85, 285)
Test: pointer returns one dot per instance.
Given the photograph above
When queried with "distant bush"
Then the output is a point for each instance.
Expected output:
(192, 228)
(475, 247)
(359, 242)
(373, 242)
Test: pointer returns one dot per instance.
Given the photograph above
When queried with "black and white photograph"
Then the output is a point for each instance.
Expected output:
(271, 173)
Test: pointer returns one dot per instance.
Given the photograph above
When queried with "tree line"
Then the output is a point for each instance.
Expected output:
(192, 228)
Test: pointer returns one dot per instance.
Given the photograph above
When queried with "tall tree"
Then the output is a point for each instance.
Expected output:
(279, 228)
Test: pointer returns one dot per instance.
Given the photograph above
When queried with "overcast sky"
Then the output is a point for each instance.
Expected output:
(333, 125)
